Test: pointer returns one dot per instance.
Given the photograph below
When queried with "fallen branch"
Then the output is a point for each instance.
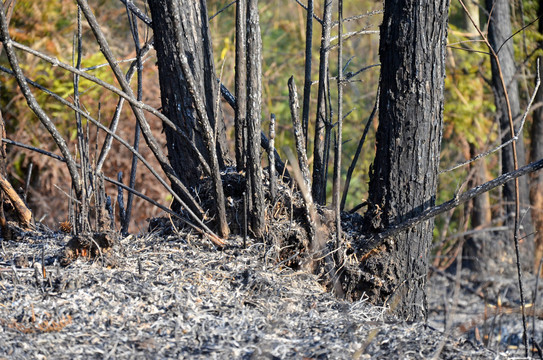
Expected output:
(23, 213)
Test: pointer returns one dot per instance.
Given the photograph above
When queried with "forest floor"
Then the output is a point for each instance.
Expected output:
(173, 295)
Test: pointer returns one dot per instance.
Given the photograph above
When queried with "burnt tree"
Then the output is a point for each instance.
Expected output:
(178, 104)
(323, 111)
(253, 118)
(190, 94)
(403, 177)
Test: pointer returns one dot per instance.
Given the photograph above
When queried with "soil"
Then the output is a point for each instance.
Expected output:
(171, 294)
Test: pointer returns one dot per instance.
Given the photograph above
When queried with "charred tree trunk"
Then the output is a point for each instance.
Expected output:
(178, 104)
(241, 86)
(254, 99)
(190, 95)
(319, 164)
(499, 31)
(403, 178)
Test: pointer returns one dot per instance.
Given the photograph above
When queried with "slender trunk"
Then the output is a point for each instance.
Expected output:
(254, 98)
(308, 58)
(319, 161)
(499, 31)
(241, 86)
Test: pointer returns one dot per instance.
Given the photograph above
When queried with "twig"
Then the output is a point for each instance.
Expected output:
(349, 35)
(134, 166)
(358, 17)
(221, 10)
(319, 20)
(271, 160)
(136, 11)
(514, 138)
(298, 133)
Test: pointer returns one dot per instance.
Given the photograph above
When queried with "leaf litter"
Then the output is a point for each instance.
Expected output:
(172, 295)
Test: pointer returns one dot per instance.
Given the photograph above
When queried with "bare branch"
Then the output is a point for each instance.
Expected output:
(298, 133)
(136, 11)
(214, 238)
(319, 20)
(35, 107)
(373, 241)
(221, 10)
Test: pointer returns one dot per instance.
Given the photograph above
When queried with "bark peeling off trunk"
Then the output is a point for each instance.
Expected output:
(404, 174)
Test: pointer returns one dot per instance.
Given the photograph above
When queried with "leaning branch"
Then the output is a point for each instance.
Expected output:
(378, 239)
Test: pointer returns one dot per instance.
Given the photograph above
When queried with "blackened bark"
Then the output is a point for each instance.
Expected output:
(308, 58)
(177, 103)
(241, 86)
(254, 98)
(403, 179)
(499, 31)
(319, 158)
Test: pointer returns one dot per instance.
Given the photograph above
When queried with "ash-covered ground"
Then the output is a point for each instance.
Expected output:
(174, 295)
